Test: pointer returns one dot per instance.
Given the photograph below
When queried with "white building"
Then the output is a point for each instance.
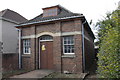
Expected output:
(8, 33)
(9, 37)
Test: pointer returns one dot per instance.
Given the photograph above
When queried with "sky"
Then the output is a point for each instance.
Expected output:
(92, 9)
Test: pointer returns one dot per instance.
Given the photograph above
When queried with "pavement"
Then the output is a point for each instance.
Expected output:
(34, 74)
(37, 74)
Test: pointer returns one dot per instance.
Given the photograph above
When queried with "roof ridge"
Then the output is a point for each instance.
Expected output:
(64, 8)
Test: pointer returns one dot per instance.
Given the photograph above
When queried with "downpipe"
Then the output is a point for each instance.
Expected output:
(19, 48)
(83, 46)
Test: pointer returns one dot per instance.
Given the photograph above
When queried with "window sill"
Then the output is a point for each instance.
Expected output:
(68, 56)
(26, 55)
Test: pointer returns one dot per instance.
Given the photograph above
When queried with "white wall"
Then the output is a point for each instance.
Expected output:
(9, 37)
(0, 30)
(0, 48)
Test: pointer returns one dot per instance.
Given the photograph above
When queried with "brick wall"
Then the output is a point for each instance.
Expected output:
(78, 53)
(57, 53)
(69, 64)
(29, 60)
(46, 28)
(68, 26)
(89, 51)
(9, 62)
(57, 48)
(72, 65)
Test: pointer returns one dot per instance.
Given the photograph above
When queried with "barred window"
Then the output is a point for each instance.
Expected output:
(68, 45)
(26, 46)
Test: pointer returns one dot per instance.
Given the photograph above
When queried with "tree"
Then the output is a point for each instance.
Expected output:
(109, 53)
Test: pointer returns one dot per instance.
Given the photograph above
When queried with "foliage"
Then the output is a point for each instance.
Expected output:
(109, 53)
(104, 25)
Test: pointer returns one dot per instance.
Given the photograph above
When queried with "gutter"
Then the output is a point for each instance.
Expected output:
(20, 49)
(50, 20)
(83, 46)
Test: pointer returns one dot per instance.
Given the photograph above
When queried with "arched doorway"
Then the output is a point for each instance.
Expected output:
(46, 52)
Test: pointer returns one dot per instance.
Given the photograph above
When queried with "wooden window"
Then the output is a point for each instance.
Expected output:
(68, 45)
(26, 46)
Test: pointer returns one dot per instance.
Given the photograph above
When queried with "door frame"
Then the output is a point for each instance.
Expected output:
(39, 61)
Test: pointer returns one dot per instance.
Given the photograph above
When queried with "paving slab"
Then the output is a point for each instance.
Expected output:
(34, 74)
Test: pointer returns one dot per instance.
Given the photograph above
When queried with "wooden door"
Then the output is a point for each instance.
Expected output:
(46, 55)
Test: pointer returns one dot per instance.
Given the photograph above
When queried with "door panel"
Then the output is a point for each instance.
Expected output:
(46, 55)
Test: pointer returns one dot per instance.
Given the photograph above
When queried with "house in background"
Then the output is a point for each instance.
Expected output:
(9, 38)
(57, 39)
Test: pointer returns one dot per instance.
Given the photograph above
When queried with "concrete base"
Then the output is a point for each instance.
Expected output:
(34, 74)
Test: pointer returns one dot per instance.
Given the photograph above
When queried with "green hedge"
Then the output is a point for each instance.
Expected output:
(109, 53)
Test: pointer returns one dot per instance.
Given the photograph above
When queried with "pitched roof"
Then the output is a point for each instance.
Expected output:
(63, 13)
(12, 15)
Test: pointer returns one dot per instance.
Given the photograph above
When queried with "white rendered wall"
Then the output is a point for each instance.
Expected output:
(0, 48)
(9, 37)
(0, 30)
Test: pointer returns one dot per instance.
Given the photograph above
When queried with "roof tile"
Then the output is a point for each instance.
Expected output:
(14, 16)
(63, 13)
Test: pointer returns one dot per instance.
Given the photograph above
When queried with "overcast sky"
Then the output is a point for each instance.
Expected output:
(92, 9)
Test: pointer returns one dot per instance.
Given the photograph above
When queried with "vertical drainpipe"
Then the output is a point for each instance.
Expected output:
(83, 47)
(35, 49)
(19, 48)
(61, 46)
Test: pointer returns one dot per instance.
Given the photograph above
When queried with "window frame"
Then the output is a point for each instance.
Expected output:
(68, 45)
(28, 46)
(46, 38)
